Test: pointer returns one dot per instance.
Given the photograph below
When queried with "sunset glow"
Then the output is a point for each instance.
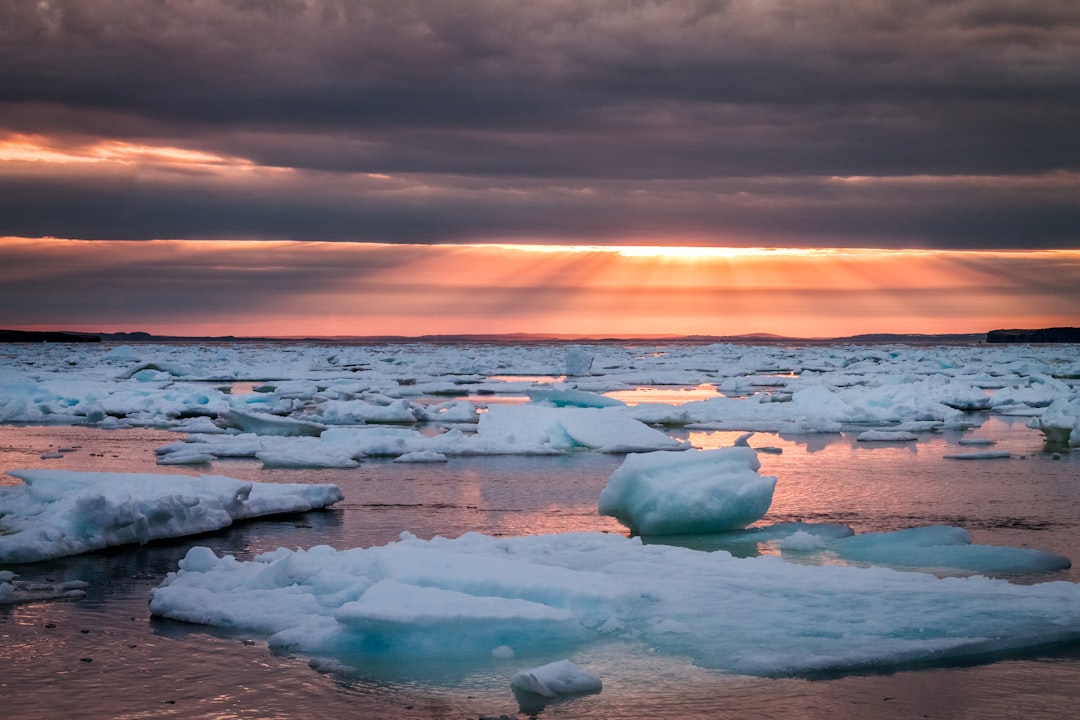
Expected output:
(38, 149)
(282, 288)
(587, 168)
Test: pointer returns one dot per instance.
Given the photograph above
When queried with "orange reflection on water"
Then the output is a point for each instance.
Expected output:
(669, 395)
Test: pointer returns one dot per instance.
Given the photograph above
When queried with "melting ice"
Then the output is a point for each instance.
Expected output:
(475, 596)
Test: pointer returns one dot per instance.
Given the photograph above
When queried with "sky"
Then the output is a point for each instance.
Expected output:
(297, 167)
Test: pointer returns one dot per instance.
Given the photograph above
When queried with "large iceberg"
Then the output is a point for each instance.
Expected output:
(704, 491)
(469, 597)
(59, 512)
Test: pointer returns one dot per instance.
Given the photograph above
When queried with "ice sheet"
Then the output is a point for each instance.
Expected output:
(471, 596)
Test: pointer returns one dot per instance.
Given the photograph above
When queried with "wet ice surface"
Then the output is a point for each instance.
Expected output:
(1027, 500)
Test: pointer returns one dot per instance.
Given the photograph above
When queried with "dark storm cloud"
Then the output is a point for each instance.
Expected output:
(972, 212)
(691, 116)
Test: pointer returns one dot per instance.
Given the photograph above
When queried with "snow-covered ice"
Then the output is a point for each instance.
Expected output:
(58, 512)
(467, 597)
(561, 677)
(980, 455)
(697, 491)
(886, 436)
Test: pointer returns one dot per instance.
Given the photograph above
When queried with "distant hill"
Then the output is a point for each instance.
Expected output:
(913, 339)
(1045, 335)
(31, 336)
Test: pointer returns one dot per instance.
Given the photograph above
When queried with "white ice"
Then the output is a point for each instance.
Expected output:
(561, 677)
(936, 547)
(502, 430)
(58, 512)
(301, 389)
(467, 597)
(698, 491)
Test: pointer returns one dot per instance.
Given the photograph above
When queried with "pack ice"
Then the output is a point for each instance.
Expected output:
(305, 392)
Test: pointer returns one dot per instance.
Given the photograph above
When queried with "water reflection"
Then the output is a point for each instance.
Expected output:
(666, 394)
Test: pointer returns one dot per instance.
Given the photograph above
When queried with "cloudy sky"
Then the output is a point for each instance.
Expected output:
(295, 166)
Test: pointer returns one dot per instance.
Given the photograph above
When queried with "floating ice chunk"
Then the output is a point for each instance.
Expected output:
(980, 455)
(199, 560)
(659, 414)
(942, 547)
(578, 361)
(186, 458)
(966, 398)
(690, 492)
(264, 424)
(57, 512)
(421, 456)
(554, 679)
(1061, 423)
(154, 370)
(755, 615)
(315, 457)
(920, 426)
(359, 412)
(563, 396)
(201, 424)
(976, 442)
(14, 592)
(886, 436)
(456, 411)
(373, 441)
(604, 429)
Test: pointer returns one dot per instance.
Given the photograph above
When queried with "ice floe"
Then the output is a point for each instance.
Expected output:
(55, 513)
(468, 597)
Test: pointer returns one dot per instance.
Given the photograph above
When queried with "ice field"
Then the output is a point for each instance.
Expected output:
(695, 438)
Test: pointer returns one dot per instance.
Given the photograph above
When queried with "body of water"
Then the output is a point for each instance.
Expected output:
(105, 657)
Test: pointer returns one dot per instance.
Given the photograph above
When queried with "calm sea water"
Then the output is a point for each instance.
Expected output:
(104, 657)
